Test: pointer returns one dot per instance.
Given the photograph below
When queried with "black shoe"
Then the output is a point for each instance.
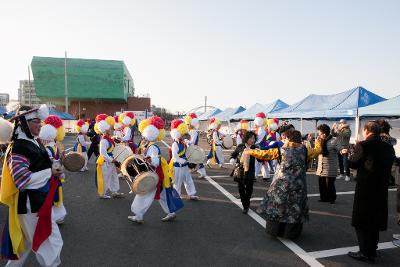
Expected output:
(245, 210)
(361, 257)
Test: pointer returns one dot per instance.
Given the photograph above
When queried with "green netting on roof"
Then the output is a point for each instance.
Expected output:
(87, 78)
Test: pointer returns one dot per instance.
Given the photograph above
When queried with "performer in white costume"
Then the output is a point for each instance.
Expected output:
(82, 145)
(128, 121)
(106, 172)
(192, 122)
(178, 164)
(260, 123)
(51, 134)
(152, 130)
(243, 127)
(216, 156)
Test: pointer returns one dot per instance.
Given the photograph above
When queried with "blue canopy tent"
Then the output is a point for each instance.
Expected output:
(209, 114)
(250, 113)
(388, 108)
(342, 105)
(228, 113)
(62, 115)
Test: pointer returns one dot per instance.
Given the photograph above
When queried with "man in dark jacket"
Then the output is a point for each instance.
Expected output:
(373, 160)
(95, 139)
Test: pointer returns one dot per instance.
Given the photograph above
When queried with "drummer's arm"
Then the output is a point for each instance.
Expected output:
(193, 138)
(260, 135)
(216, 139)
(127, 135)
(81, 140)
(103, 151)
(152, 152)
(23, 177)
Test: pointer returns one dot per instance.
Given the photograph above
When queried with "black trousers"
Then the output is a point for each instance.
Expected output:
(368, 241)
(327, 189)
(93, 149)
(245, 187)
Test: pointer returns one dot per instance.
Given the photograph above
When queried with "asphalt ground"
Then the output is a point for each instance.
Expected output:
(209, 232)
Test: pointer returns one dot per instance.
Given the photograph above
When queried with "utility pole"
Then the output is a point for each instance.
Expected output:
(65, 83)
(29, 86)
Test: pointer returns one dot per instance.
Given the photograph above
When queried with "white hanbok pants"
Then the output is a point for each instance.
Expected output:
(49, 252)
(219, 156)
(60, 212)
(85, 156)
(263, 167)
(110, 177)
(182, 175)
(141, 203)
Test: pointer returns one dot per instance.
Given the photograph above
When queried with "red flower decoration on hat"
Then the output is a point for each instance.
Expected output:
(101, 117)
(157, 122)
(261, 115)
(54, 121)
(176, 123)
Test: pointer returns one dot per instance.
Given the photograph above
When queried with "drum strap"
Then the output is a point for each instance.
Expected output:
(55, 154)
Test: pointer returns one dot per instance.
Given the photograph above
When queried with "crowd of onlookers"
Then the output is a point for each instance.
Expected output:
(285, 203)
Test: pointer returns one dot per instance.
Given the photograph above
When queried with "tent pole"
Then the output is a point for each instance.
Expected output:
(301, 126)
(357, 126)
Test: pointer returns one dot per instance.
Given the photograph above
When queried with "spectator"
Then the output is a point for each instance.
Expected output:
(373, 159)
(95, 139)
(384, 132)
(327, 165)
(342, 134)
(385, 136)
(285, 202)
(244, 178)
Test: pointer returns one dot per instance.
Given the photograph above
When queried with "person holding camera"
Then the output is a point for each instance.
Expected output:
(342, 133)
(244, 174)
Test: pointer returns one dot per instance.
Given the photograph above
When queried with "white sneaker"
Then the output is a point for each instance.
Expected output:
(104, 197)
(169, 217)
(194, 198)
(341, 176)
(134, 219)
(347, 178)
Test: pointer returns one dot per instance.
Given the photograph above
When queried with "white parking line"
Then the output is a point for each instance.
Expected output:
(343, 251)
(310, 260)
(317, 195)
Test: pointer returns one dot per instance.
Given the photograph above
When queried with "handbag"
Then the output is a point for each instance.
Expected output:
(238, 172)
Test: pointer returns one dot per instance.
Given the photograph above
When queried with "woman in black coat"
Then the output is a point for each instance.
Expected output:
(373, 159)
(245, 179)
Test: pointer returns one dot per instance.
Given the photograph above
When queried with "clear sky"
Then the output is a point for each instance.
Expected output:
(235, 52)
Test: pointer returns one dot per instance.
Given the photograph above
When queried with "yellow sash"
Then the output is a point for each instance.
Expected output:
(171, 165)
(9, 196)
(99, 170)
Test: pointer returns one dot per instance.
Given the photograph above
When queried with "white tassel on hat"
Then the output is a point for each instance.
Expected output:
(6, 130)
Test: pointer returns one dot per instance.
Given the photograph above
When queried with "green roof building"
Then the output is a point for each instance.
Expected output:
(87, 79)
